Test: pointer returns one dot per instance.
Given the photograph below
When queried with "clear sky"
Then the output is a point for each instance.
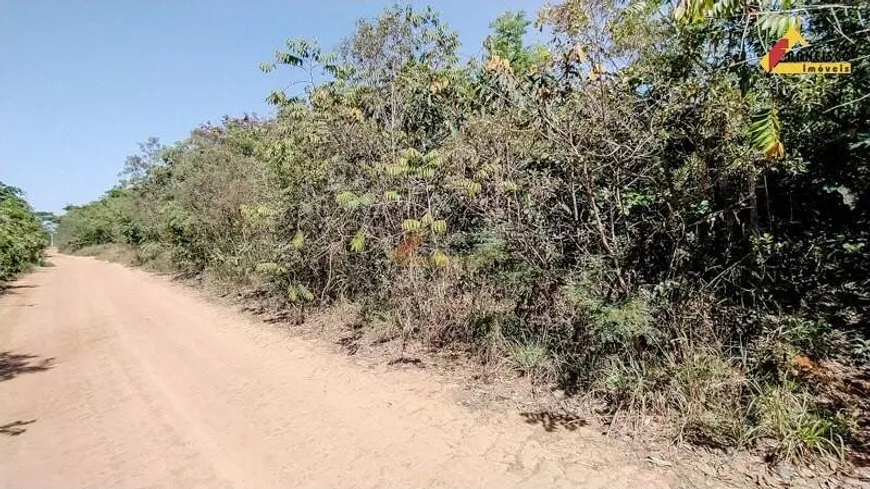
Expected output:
(81, 82)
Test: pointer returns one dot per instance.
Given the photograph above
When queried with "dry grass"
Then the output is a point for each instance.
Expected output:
(115, 253)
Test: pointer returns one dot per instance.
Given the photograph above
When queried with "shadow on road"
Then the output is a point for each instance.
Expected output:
(13, 365)
(10, 289)
(15, 428)
(554, 421)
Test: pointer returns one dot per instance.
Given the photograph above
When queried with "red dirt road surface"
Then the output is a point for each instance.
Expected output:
(113, 377)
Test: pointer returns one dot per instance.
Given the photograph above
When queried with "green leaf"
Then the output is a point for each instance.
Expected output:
(358, 243)
(764, 133)
(345, 197)
(397, 170)
(304, 293)
(410, 225)
(439, 226)
(277, 97)
(286, 58)
(774, 25)
(700, 11)
(270, 268)
(298, 240)
(439, 259)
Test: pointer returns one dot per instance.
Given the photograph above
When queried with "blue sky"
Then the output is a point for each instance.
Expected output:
(82, 82)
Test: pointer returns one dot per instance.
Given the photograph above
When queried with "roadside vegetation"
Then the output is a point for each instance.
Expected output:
(632, 210)
(23, 237)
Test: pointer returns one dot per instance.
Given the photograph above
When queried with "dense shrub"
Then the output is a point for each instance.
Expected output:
(22, 236)
(632, 210)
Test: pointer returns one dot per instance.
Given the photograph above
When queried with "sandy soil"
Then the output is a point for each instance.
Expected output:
(112, 377)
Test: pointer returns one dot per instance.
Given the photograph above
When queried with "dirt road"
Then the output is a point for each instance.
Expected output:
(112, 377)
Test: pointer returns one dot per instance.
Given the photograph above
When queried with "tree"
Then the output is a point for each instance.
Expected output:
(138, 167)
(506, 42)
(22, 238)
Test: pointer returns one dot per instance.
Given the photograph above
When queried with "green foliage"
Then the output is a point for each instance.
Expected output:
(22, 235)
(764, 131)
(635, 209)
(506, 42)
(788, 416)
(622, 323)
(528, 358)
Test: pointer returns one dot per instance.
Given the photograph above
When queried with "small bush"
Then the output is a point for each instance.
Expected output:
(530, 359)
(706, 391)
(622, 323)
(788, 415)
